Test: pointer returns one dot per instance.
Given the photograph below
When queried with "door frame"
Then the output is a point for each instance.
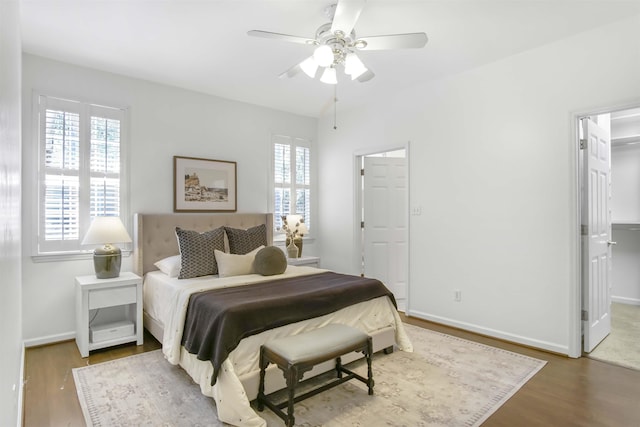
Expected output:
(575, 297)
(357, 236)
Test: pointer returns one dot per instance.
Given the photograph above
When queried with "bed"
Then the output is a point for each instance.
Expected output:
(166, 300)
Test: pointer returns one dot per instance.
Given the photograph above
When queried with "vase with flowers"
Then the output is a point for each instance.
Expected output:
(295, 228)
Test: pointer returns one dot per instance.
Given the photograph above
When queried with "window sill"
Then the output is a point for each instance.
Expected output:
(282, 239)
(69, 256)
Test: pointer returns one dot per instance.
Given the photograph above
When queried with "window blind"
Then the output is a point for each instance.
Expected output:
(291, 178)
(80, 170)
(62, 171)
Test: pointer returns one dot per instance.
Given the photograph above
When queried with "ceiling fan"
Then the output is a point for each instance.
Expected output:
(336, 44)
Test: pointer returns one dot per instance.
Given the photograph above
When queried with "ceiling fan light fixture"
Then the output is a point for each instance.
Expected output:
(329, 76)
(323, 55)
(309, 66)
(353, 66)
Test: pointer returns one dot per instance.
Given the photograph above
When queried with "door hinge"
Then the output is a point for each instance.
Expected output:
(585, 315)
(362, 172)
(361, 224)
(583, 144)
(584, 230)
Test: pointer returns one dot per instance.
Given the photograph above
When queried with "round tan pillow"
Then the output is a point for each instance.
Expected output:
(270, 261)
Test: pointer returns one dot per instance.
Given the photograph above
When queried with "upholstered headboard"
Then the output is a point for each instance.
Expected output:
(154, 235)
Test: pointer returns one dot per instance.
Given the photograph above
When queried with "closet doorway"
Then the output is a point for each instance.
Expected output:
(620, 300)
(384, 227)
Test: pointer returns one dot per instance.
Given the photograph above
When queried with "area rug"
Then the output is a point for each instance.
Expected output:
(622, 346)
(446, 381)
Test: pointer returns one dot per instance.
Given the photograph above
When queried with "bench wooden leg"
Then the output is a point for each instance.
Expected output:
(263, 366)
(292, 381)
(369, 370)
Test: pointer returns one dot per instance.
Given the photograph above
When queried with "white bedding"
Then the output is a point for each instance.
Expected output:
(166, 300)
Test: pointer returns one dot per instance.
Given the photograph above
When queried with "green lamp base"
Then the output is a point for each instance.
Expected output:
(107, 262)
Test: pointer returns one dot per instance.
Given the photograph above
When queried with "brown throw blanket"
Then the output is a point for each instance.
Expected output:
(218, 319)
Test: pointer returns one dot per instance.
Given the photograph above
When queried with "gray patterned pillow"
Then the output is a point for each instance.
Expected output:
(197, 252)
(244, 241)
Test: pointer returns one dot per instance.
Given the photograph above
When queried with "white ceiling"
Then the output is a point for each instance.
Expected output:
(203, 45)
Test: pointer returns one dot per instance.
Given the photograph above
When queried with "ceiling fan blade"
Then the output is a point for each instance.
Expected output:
(283, 37)
(346, 14)
(394, 41)
(366, 76)
(291, 72)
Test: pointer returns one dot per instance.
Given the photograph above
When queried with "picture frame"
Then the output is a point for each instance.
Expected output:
(204, 185)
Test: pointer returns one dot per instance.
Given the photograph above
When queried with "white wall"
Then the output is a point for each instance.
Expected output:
(492, 164)
(165, 121)
(11, 349)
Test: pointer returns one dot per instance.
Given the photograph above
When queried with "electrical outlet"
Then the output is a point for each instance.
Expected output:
(457, 295)
(416, 210)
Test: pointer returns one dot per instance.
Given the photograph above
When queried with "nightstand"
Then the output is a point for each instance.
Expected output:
(108, 311)
(309, 261)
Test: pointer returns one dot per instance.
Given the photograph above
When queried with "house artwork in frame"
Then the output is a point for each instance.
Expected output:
(204, 185)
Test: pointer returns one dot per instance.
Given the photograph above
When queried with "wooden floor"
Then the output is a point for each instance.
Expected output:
(566, 392)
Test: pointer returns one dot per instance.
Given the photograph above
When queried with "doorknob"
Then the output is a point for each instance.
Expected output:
(610, 243)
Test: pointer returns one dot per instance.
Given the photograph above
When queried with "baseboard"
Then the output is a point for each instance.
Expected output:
(623, 300)
(517, 339)
(50, 339)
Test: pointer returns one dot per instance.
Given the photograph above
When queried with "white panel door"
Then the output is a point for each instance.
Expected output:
(596, 235)
(385, 223)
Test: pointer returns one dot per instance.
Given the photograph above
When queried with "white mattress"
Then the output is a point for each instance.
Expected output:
(157, 290)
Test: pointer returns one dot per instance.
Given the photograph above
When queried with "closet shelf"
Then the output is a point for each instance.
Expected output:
(624, 140)
(633, 114)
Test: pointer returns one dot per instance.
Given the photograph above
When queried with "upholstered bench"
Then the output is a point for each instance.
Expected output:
(298, 354)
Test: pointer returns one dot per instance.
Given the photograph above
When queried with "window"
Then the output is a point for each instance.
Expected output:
(80, 170)
(291, 179)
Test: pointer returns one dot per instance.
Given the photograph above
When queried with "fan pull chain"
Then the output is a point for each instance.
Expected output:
(335, 106)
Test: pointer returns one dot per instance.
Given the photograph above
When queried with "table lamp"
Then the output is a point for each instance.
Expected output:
(106, 230)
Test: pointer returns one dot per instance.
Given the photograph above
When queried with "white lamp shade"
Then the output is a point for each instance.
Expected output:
(106, 229)
(302, 229)
(354, 66)
(309, 66)
(293, 220)
(296, 225)
(323, 55)
(329, 76)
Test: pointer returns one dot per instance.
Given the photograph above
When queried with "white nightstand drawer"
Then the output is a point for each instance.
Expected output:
(110, 297)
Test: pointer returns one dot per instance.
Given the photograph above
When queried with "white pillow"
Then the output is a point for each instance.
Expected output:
(235, 265)
(170, 265)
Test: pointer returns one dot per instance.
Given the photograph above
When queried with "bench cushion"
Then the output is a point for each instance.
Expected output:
(333, 338)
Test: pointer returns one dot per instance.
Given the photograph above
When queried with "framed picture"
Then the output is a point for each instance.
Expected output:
(203, 185)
